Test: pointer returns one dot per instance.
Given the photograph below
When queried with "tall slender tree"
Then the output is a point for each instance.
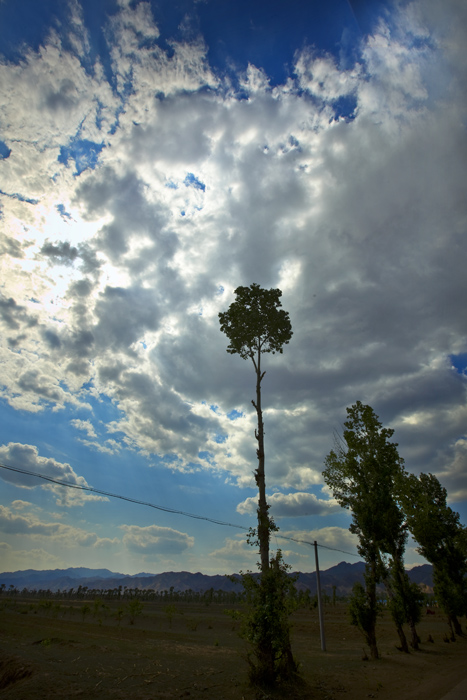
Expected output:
(255, 324)
(361, 472)
(442, 541)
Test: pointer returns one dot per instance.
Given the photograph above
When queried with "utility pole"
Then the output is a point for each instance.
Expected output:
(320, 604)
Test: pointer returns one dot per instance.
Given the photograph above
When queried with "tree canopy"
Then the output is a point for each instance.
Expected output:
(441, 539)
(255, 323)
(362, 472)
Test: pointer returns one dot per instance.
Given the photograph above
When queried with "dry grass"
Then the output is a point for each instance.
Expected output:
(198, 654)
(12, 670)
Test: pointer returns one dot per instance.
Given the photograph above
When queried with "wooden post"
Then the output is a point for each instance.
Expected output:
(320, 604)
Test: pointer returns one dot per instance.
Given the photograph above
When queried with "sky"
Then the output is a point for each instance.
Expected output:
(156, 155)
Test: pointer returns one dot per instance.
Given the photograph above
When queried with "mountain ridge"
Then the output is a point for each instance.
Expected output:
(342, 576)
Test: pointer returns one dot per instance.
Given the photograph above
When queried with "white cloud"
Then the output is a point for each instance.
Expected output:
(361, 221)
(109, 447)
(236, 554)
(84, 425)
(154, 539)
(335, 544)
(20, 559)
(454, 474)
(332, 537)
(27, 457)
(20, 505)
(322, 78)
(61, 533)
(292, 505)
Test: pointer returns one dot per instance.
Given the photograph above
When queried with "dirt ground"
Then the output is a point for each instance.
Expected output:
(193, 651)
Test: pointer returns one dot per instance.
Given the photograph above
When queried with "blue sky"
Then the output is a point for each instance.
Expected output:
(153, 157)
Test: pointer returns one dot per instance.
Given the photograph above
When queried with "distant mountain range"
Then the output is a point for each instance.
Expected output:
(343, 576)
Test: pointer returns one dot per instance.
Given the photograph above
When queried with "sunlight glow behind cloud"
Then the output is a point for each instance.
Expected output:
(140, 182)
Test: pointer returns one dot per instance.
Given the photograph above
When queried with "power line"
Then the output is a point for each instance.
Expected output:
(80, 487)
(165, 509)
(323, 546)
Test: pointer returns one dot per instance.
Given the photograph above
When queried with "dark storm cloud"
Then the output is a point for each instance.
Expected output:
(360, 221)
(16, 317)
(124, 314)
(9, 310)
(80, 288)
(63, 98)
(52, 339)
(124, 197)
(62, 252)
(165, 422)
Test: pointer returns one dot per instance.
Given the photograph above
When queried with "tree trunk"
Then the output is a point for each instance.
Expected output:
(399, 586)
(456, 624)
(371, 641)
(415, 638)
(370, 582)
(263, 518)
(402, 638)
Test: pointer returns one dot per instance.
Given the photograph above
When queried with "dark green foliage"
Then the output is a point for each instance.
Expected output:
(255, 323)
(266, 625)
(364, 611)
(362, 472)
(135, 608)
(441, 538)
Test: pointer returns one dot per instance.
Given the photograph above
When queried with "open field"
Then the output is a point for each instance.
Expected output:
(193, 651)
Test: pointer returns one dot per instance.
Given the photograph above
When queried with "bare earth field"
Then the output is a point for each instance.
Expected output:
(193, 651)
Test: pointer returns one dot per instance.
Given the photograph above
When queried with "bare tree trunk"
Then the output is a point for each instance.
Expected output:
(415, 638)
(454, 621)
(403, 639)
(399, 588)
(263, 517)
(371, 641)
(370, 581)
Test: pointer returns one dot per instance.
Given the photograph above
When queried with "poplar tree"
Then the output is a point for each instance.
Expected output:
(255, 324)
(441, 539)
(362, 472)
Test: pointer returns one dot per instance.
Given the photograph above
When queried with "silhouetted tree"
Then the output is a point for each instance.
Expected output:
(442, 541)
(361, 472)
(254, 325)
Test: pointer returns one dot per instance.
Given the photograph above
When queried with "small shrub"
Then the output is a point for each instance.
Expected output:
(192, 625)
(97, 604)
(46, 605)
(135, 608)
(119, 614)
(170, 611)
